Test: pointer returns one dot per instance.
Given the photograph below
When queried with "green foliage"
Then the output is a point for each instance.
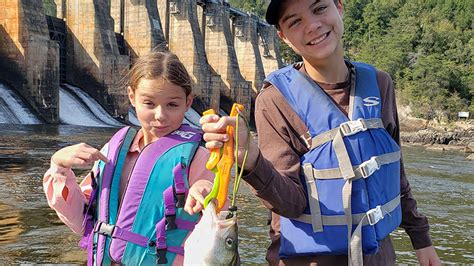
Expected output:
(257, 7)
(288, 55)
(426, 45)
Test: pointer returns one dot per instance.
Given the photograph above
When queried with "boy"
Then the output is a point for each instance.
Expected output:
(327, 158)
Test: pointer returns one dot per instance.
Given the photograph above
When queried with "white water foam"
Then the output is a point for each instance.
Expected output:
(93, 111)
(13, 110)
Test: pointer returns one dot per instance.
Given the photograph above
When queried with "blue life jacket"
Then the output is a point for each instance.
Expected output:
(149, 226)
(351, 171)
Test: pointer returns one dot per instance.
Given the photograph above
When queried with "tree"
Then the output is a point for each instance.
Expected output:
(426, 46)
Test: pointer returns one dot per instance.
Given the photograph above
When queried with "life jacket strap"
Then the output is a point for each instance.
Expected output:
(371, 217)
(161, 246)
(170, 211)
(119, 233)
(347, 128)
(313, 198)
(180, 189)
(363, 170)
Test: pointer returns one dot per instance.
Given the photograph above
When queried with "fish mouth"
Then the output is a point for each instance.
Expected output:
(223, 222)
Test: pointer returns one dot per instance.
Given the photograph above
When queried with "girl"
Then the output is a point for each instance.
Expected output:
(130, 207)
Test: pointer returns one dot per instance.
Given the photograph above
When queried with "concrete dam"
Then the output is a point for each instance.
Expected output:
(90, 44)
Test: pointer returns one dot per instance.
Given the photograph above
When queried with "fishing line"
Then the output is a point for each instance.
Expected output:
(238, 173)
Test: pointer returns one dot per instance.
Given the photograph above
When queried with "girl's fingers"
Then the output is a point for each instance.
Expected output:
(198, 207)
(199, 198)
(93, 154)
(188, 205)
(100, 156)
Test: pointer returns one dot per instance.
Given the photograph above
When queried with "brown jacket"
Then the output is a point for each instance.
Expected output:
(276, 180)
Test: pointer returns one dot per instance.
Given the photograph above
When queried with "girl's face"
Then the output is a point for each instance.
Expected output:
(160, 107)
(313, 28)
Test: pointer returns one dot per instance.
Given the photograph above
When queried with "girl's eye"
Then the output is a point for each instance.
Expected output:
(148, 103)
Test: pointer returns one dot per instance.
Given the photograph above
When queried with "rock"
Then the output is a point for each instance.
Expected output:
(470, 147)
(470, 157)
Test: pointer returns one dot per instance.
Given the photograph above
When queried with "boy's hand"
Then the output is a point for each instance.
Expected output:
(196, 194)
(79, 155)
(214, 128)
(428, 257)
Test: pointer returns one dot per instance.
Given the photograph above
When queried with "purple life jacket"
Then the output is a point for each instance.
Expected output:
(149, 226)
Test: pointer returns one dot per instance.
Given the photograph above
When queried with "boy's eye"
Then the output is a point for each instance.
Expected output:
(173, 105)
(294, 23)
(319, 9)
(148, 103)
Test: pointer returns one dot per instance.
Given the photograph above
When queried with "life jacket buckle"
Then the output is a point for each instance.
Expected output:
(375, 215)
(171, 222)
(369, 167)
(350, 128)
(161, 254)
(104, 228)
(180, 200)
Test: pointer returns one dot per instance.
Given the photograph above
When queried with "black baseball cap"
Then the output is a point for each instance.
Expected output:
(273, 12)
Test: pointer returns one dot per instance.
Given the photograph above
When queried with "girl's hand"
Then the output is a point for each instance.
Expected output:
(214, 128)
(196, 194)
(79, 155)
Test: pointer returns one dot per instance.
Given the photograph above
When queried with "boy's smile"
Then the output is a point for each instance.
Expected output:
(319, 39)
(313, 29)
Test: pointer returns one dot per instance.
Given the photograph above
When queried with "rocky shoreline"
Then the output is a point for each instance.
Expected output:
(457, 136)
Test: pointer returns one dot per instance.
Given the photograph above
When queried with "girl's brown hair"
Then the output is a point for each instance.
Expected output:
(159, 64)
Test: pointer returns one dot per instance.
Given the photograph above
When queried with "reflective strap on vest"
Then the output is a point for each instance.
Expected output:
(371, 217)
(348, 128)
(363, 170)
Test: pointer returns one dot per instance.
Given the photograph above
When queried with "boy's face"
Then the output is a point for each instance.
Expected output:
(312, 28)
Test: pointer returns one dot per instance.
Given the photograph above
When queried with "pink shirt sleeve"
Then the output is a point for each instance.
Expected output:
(65, 196)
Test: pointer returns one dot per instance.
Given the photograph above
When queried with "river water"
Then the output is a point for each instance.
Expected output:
(30, 232)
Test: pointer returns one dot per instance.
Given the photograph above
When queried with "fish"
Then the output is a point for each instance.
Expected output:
(214, 240)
